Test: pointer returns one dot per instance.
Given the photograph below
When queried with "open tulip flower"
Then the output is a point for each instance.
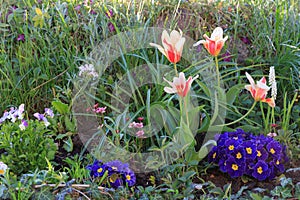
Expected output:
(180, 85)
(215, 43)
(259, 91)
(172, 45)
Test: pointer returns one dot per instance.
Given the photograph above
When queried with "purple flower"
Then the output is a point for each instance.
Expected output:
(49, 112)
(213, 155)
(274, 148)
(261, 153)
(129, 177)
(111, 27)
(93, 12)
(21, 37)
(239, 154)
(117, 165)
(250, 149)
(41, 117)
(77, 8)
(227, 56)
(261, 170)
(23, 124)
(234, 168)
(245, 40)
(277, 163)
(231, 144)
(222, 164)
(109, 14)
(115, 181)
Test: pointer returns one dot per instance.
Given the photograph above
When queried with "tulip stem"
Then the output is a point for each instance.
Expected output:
(263, 115)
(186, 111)
(249, 111)
(217, 70)
(175, 69)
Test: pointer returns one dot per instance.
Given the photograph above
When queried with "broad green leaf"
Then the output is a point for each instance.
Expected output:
(233, 92)
(62, 108)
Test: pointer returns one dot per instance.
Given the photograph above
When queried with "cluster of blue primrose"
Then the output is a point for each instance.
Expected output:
(239, 153)
(114, 173)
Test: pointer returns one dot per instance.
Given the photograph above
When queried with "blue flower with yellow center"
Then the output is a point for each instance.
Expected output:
(129, 177)
(239, 154)
(250, 149)
(274, 148)
(235, 168)
(261, 171)
(231, 144)
(261, 153)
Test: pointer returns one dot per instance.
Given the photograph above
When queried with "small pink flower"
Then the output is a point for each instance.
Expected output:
(272, 134)
(180, 85)
(140, 134)
(100, 110)
(111, 27)
(140, 118)
(21, 37)
(136, 125)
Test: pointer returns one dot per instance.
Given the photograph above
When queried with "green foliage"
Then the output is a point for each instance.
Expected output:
(26, 150)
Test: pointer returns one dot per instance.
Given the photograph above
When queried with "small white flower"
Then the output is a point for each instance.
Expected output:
(88, 70)
(272, 82)
(3, 168)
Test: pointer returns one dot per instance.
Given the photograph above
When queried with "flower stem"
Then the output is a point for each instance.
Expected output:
(186, 111)
(249, 111)
(263, 115)
(175, 69)
(217, 70)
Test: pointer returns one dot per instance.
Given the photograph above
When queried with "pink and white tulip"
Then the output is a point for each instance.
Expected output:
(259, 90)
(180, 85)
(172, 45)
(214, 43)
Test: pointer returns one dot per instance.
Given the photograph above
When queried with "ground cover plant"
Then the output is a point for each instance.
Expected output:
(149, 99)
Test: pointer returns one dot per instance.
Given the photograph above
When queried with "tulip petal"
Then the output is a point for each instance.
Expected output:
(217, 34)
(269, 101)
(174, 36)
(179, 45)
(169, 90)
(199, 42)
(251, 80)
(263, 85)
(160, 48)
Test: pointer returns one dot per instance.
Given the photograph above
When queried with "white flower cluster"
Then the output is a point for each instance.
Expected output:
(88, 70)
(272, 82)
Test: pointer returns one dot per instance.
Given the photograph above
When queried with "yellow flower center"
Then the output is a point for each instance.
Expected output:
(2, 171)
(277, 162)
(234, 167)
(231, 147)
(238, 155)
(272, 151)
(214, 155)
(114, 168)
(258, 153)
(249, 150)
(100, 170)
(259, 170)
(128, 177)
